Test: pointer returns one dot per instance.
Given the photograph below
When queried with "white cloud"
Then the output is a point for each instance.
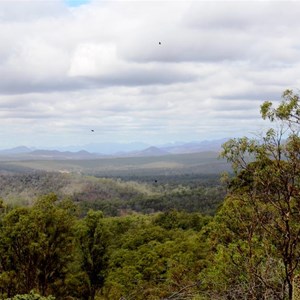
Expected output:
(94, 59)
(66, 69)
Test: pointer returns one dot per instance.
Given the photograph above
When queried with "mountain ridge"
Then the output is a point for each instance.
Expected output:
(178, 148)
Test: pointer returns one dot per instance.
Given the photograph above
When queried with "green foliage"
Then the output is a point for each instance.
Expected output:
(288, 110)
(31, 296)
(151, 262)
(47, 248)
(93, 239)
(181, 220)
(36, 248)
(244, 262)
(189, 192)
(200, 199)
(260, 219)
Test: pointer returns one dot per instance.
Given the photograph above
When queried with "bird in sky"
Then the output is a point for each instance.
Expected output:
(92, 130)
(159, 43)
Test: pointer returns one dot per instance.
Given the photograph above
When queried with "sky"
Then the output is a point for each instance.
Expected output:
(149, 71)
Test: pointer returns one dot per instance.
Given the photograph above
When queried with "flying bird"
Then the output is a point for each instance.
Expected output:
(159, 43)
(92, 130)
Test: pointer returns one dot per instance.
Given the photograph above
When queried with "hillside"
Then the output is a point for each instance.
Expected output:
(115, 196)
(170, 164)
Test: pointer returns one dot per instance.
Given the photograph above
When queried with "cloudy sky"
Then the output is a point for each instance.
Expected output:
(70, 66)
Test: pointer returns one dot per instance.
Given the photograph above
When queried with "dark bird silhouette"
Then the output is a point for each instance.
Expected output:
(92, 130)
(159, 43)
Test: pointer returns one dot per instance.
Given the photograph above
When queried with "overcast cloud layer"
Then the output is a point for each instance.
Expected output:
(67, 68)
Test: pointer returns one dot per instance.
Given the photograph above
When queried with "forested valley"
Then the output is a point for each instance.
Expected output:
(185, 236)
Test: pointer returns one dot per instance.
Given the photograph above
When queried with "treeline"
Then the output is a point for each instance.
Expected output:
(49, 249)
(114, 196)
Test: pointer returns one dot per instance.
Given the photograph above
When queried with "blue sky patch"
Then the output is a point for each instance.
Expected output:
(75, 3)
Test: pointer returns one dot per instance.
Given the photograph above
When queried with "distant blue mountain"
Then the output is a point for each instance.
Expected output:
(16, 150)
(108, 148)
(114, 150)
(55, 154)
(194, 147)
(150, 151)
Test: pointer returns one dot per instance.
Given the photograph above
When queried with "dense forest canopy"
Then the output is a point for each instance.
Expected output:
(114, 196)
(108, 238)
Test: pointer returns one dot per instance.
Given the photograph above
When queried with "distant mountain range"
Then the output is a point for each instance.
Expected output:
(194, 147)
(113, 150)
